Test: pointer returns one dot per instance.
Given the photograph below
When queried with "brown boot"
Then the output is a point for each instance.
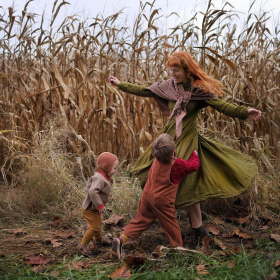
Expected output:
(198, 235)
(87, 249)
(189, 230)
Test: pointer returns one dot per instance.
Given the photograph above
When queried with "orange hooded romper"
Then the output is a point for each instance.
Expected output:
(157, 201)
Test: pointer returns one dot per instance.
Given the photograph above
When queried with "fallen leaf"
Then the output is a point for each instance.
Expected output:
(206, 241)
(55, 243)
(230, 264)
(241, 221)
(17, 231)
(37, 260)
(236, 250)
(218, 222)
(212, 228)
(275, 237)
(208, 253)
(219, 243)
(53, 273)
(121, 272)
(240, 234)
(114, 220)
(134, 260)
(39, 268)
(272, 276)
(65, 235)
(20, 232)
(48, 240)
(201, 269)
(56, 221)
(79, 265)
(266, 227)
(214, 211)
(277, 263)
(269, 223)
(270, 255)
(245, 235)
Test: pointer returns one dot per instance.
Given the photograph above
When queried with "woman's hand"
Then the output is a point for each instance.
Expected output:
(254, 114)
(113, 81)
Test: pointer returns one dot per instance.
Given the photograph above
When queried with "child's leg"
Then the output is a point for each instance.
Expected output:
(141, 221)
(165, 214)
(138, 224)
(94, 220)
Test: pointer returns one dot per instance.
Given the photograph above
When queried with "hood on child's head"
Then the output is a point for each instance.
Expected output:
(105, 162)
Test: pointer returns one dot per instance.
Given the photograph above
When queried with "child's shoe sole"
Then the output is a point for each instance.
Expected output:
(117, 249)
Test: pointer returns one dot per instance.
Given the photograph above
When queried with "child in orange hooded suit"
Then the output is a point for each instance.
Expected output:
(159, 194)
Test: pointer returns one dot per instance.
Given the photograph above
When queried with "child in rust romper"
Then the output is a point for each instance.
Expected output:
(159, 194)
(98, 188)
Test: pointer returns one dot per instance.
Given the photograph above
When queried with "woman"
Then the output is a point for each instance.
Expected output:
(223, 172)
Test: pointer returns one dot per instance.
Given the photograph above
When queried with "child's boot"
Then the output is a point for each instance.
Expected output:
(87, 249)
(117, 248)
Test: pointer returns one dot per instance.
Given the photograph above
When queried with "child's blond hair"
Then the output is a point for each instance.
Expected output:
(163, 148)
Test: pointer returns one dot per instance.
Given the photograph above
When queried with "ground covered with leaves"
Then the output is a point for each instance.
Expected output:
(239, 248)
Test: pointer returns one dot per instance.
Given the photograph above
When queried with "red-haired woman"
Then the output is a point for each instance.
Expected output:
(223, 172)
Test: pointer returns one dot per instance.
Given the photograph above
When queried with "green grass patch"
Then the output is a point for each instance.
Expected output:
(250, 266)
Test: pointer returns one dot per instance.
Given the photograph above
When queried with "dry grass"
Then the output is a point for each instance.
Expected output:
(50, 181)
(125, 195)
(46, 182)
(62, 73)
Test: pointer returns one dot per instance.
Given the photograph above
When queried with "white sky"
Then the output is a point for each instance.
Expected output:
(185, 8)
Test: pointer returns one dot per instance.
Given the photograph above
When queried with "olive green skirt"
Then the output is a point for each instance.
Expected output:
(223, 172)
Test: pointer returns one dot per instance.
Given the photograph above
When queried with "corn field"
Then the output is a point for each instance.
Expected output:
(62, 73)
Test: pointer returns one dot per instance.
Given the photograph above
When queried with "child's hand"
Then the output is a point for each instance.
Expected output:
(102, 210)
(113, 81)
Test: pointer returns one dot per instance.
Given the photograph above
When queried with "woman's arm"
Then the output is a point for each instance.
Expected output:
(131, 88)
(233, 111)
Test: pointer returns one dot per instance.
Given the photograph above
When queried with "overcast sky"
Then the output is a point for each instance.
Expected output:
(185, 8)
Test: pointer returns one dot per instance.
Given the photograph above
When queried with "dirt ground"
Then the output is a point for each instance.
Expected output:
(59, 243)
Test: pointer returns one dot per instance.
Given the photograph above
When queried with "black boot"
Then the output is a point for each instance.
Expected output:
(189, 230)
(198, 235)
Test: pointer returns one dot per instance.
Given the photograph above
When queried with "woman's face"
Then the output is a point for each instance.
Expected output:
(179, 75)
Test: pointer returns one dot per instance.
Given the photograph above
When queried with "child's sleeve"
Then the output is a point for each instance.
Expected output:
(182, 167)
(95, 188)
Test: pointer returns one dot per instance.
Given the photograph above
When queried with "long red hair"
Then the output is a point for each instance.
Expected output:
(198, 77)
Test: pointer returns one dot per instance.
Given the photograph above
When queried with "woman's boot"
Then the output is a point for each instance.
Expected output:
(189, 230)
(197, 236)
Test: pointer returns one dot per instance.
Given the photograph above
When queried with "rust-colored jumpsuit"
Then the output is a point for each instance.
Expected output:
(157, 201)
